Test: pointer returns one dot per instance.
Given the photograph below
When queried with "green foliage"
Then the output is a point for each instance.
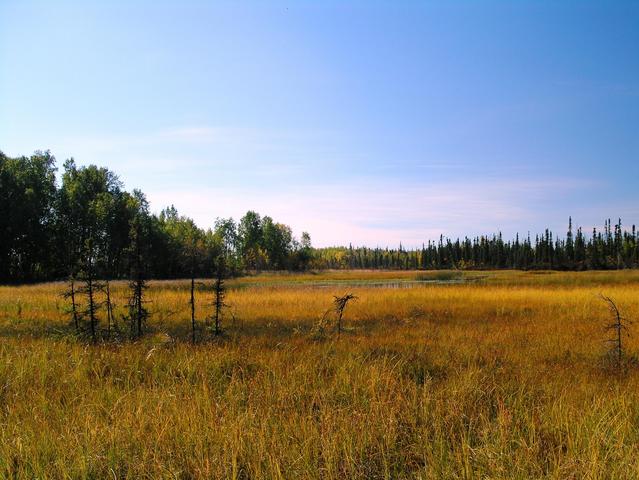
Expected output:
(45, 230)
(27, 215)
(615, 248)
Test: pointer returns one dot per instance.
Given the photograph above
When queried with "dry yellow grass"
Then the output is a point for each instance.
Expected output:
(504, 377)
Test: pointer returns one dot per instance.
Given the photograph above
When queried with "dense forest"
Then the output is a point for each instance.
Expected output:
(90, 222)
(614, 248)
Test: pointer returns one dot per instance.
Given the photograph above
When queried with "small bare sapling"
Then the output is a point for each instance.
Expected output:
(619, 329)
(339, 305)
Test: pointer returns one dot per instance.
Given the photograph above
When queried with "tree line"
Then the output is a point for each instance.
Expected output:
(90, 226)
(612, 248)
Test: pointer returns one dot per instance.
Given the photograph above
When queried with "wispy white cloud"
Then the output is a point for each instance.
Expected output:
(378, 213)
(208, 171)
(192, 153)
(179, 136)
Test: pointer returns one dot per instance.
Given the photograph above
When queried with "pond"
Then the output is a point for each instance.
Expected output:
(392, 283)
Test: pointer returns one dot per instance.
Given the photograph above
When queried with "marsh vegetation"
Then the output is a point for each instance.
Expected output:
(506, 377)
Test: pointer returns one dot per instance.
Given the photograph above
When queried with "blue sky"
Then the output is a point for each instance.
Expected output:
(364, 122)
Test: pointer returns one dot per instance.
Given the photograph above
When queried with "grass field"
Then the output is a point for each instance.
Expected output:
(437, 375)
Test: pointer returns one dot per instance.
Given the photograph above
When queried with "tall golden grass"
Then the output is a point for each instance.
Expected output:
(503, 377)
